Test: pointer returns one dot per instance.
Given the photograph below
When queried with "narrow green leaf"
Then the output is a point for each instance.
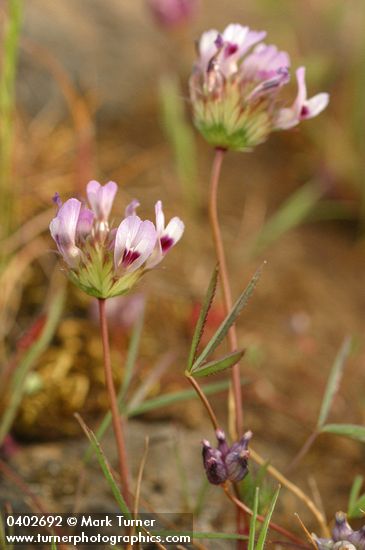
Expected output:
(176, 397)
(354, 494)
(219, 365)
(201, 497)
(252, 534)
(199, 329)
(29, 359)
(358, 510)
(54, 546)
(229, 320)
(289, 215)
(11, 31)
(334, 381)
(347, 430)
(181, 138)
(265, 527)
(105, 468)
(164, 401)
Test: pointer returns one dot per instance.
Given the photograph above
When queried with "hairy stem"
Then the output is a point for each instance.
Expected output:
(116, 419)
(227, 295)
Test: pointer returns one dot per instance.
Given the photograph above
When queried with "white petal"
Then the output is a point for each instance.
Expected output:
(125, 234)
(175, 229)
(144, 243)
(160, 218)
(285, 119)
(207, 46)
(316, 104)
(302, 90)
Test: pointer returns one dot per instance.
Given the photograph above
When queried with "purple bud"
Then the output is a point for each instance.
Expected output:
(358, 538)
(226, 462)
(342, 529)
(213, 464)
(236, 459)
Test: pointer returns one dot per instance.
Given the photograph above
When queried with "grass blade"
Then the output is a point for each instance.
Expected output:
(7, 101)
(334, 381)
(229, 320)
(219, 365)
(177, 397)
(358, 510)
(29, 359)
(181, 137)
(252, 534)
(290, 215)
(199, 329)
(354, 494)
(133, 349)
(105, 468)
(263, 533)
(347, 430)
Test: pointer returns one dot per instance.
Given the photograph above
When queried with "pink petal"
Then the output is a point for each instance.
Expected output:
(131, 208)
(101, 198)
(63, 230)
(160, 218)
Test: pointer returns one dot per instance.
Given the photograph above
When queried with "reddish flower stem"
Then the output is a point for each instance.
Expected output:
(205, 401)
(116, 418)
(227, 295)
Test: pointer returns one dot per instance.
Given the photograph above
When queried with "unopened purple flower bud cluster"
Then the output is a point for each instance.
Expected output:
(343, 536)
(226, 463)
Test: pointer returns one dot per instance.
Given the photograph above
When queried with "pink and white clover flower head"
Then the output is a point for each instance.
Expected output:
(235, 86)
(106, 261)
(172, 13)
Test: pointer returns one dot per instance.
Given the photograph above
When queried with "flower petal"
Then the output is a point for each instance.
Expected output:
(160, 218)
(63, 230)
(101, 198)
(315, 105)
(131, 208)
(134, 242)
(85, 222)
(172, 234)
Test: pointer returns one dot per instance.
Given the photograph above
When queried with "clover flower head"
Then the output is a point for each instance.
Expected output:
(343, 536)
(235, 87)
(171, 13)
(101, 260)
(226, 463)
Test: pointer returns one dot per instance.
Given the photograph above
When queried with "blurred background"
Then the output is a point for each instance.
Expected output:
(100, 92)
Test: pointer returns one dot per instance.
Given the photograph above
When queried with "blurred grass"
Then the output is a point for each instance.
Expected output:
(7, 103)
